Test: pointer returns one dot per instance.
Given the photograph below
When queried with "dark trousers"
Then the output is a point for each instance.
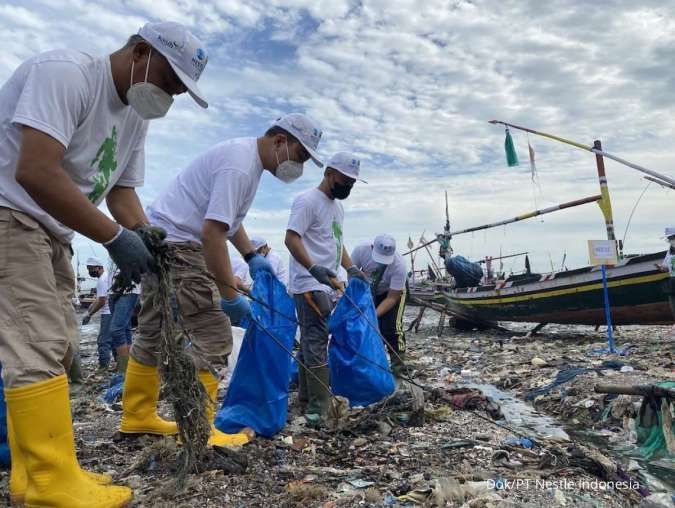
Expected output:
(103, 341)
(391, 328)
(313, 327)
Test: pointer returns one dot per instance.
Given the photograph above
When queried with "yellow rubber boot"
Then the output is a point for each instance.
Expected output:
(139, 402)
(18, 481)
(217, 437)
(43, 432)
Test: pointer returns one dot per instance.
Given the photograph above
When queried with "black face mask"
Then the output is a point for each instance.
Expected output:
(340, 191)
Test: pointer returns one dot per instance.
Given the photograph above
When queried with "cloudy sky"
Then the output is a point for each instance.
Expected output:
(409, 86)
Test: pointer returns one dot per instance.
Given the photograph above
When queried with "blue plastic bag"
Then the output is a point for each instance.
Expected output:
(114, 390)
(465, 272)
(258, 393)
(4, 445)
(294, 372)
(358, 363)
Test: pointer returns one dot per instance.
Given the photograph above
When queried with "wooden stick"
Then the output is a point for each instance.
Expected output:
(643, 390)
(524, 216)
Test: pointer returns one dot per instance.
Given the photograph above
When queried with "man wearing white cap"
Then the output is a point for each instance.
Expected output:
(242, 277)
(314, 238)
(388, 276)
(668, 265)
(96, 270)
(202, 210)
(72, 133)
(278, 265)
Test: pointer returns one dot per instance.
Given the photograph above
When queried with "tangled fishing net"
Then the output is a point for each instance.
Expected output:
(181, 386)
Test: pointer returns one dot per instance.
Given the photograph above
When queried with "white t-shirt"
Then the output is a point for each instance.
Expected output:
(318, 220)
(102, 287)
(279, 267)
(219, 184)
(669, 261)
(394, 276)
(70, 96)
(240, 269)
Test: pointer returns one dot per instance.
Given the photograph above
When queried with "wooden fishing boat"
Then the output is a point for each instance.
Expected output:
(638, 295)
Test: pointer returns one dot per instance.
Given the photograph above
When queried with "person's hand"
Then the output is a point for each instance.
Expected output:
(86, 319)
(236, 308)
(152, 236)
(323, 274)
(354, 272)
(661, 267)
(257, 263)
(129, 253)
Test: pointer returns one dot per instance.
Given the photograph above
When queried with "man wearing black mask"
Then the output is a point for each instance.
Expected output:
(315, 240)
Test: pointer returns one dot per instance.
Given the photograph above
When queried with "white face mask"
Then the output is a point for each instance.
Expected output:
(288, 170)
(147, 99)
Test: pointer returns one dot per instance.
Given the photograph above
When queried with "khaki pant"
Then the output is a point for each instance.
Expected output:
(39, 332)
(197, 300)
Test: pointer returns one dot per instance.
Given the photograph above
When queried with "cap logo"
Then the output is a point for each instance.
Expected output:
(168, 43)
(198, 62)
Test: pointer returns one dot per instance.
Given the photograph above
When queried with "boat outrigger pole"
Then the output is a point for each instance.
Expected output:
(524, 216)
(660, 182)
(593, 149)
(502, 257)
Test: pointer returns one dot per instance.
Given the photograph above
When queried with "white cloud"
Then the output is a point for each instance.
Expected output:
(409, 87)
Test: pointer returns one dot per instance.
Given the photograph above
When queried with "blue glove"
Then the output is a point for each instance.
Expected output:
(259, 262)
(236, 308)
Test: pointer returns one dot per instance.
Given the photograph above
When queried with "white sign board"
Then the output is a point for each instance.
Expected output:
(602, 252)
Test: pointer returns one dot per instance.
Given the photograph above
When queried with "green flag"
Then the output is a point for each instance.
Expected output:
(511, 155)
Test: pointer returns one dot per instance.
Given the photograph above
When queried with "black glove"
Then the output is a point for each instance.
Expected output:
(152, 236)
(130, 255)
(323, 274)
(86, 319)
(354, 272)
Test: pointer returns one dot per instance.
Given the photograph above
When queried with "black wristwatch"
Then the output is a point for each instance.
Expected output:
(248, 257)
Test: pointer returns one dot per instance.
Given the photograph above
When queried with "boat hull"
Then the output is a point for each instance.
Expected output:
(638, 294)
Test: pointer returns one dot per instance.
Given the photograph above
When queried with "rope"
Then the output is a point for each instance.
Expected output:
(405, 378)
(625, 233)
(356, 353)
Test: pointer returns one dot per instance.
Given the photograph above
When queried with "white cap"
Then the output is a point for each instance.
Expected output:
(305, 130)
(94, 262)
(185, 53)
(384, 249)
(670, 232)
(258, 241)
(347, 164)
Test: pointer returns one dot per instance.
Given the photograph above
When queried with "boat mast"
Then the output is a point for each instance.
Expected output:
(605, 203)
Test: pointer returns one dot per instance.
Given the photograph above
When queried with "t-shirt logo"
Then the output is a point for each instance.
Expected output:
(107, 164)
(337, 235)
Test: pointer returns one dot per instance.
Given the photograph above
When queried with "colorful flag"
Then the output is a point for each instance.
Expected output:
(509, 146)
(533, 166)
